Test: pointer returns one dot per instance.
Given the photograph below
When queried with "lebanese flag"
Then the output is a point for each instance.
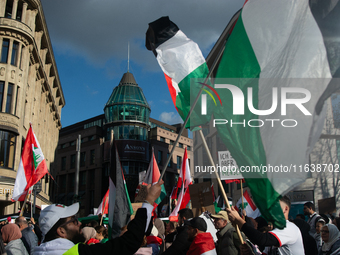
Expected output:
(251, 209)
(181, 60)
(104, 205)
(184, 196)
(31, 169)
(203, 244)
(152, 176)
(237, 181)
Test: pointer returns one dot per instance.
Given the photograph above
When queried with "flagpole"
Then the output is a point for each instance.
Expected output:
(242, 199)
(218, 180)
(24, 204)
(192, 109)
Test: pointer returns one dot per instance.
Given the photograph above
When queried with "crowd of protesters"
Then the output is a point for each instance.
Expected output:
(60, 232)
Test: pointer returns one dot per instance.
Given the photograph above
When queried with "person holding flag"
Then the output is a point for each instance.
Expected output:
(62, 233)
(278, 241)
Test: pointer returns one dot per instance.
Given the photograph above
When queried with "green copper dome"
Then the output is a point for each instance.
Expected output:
(127, 102)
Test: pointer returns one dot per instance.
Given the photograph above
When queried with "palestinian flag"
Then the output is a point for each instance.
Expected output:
(103, 208)
(181, 60)
(31, 169)
(152, 176)
(120, 208)
(276, 46)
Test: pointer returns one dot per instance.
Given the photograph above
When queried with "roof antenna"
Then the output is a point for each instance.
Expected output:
(128, 56)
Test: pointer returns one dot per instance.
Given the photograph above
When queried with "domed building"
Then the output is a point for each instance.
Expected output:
(127, 119)
(127, 116)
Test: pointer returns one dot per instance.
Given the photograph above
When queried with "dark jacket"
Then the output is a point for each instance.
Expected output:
(228, 241)
(126, 244)
(181, 244)
(30, 239)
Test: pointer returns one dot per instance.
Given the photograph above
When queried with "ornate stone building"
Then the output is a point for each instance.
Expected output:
(30, 91)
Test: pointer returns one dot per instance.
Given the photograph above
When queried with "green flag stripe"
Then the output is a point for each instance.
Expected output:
(245, 143)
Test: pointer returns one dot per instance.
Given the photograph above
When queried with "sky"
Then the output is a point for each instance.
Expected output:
(90, 41)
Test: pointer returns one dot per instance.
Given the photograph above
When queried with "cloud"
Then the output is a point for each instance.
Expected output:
(164, 101)
(91, 91)
(101, 30)
(170, 118)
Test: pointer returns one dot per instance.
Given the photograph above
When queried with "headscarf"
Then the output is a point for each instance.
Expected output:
(334, 235)
(10, 232)
(88, 233)
(158, 223)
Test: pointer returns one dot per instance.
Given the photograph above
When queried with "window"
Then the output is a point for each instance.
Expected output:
(82, 158)
(9, 98)
(82, 178)
(170, 162)
(15, 49)
(180, 145)
(63, 163)
(171, 142)
(72, 143)
(4, 51)
(188, 148)
(162, 139)
(159, 159)
(92, 157)
(19, 11)
(73, 161)
(179, 162)
(9, 7)
(2, 84)
(7, 149)
(16, 102)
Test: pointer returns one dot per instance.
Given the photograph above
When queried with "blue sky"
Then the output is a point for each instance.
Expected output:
(90, 42)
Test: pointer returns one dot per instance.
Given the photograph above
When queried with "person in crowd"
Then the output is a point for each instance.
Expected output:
(36, 229)
(29, 238)
(143, 250)
(102, 234)
(317, 235)
(201, 241)
(11, 235)
(228, 240)
(331, 238)
(170, 233)
(158, 223)
(154, 241)
(300, 216)
(62, 234)
(89, 234)
(2, 247)
(309, 210)
(92, 224)
(181, 244)
(276, 241)
(309, 243)
(336, 222)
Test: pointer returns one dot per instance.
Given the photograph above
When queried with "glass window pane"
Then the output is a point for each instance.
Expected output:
(4, 51)
(15, 50)
(9, 98)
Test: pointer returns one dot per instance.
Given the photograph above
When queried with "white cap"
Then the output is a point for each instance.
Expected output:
(51, 214)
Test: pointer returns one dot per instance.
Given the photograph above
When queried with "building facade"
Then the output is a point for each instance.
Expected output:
(127, 119)
(30, 92)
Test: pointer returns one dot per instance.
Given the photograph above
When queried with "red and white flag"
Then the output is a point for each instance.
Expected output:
(184, 181)
(104, 205)
(31, 169)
